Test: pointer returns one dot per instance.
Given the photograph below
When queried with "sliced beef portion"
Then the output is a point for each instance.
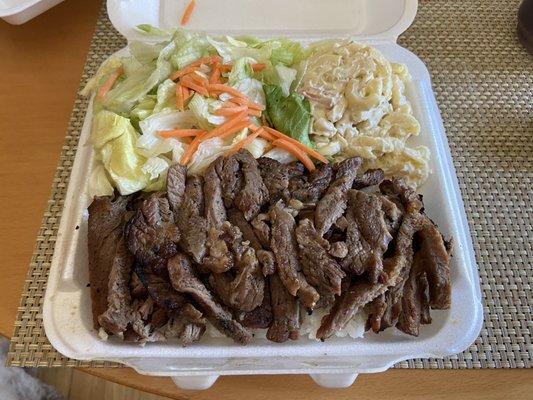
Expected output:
(435, 259)
(260, 317)
(106, 221)
(236, 217)
(363, 292)
(275, 176)
(160, 290)
(406, 196)
(333, 204)
(137, 288)
(117, 316)
(253, 193)
(152, 324)
(222, 244)
(371, 177)
(310, 189)
(151, 235)
(367, 235)
(242, 290)
(338, 249)
(262, 230)
(319, 268)
(190, 219)
(267, 260)
(415, 299)
(184, 281)
(176, 178)
(285, 312)
(215, 212)
(284, 247)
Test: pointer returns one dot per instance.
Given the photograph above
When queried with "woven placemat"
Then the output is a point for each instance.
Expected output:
(483, 80)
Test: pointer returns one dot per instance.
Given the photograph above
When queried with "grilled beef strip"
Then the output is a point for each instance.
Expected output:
(260, 317)
(190, 219)
(236, 217)
(285, 312)
(253, 193)
(106, 221)
(184, 281)
(371, 177)
(310, 188)
(243, 288)
(362, 291)
(151, 235)
(319, 268)
(367, 235)
(284, 247)
(223, 243)
(176, 178)
(215, 212)
(275, 175)
(333, 204)
(116, 317)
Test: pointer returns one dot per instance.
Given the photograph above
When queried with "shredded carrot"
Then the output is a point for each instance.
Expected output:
(254, 113)
(295, 151)
(179, 97)
(258, 67)
(299, 145)
(255, 106)
(265, 135)
(183, 72)
(108, 84)
(187, 13)
(199, 79)
(262, 132)
(179, 133)
(228, 111)
(191, 149)
(233, 121)
(220, 88)
(189, 83)
(237, 100)
(215, 74)
(226, 67)
(206, 60)
(237, 128)
(239, 145)
(186, 93)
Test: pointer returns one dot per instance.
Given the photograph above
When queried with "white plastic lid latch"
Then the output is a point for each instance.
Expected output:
(368, 20)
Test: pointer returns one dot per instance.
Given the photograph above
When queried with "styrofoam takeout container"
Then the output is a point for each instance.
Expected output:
(17, 12)
(336, 362)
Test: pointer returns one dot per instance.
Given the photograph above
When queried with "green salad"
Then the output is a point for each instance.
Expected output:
(190, 98)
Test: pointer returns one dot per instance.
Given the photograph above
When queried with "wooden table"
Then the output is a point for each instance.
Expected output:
(40, 67)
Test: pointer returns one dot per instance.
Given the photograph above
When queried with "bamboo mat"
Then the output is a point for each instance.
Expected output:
(483, 81)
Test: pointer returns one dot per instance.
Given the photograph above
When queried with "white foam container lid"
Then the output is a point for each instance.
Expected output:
(336, 362)
(17, 12)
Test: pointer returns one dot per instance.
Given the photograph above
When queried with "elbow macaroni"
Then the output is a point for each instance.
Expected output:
(359, 107)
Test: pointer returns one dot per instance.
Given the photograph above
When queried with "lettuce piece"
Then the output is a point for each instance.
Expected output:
(107, 126)
(241, 69)
(101, 75)
(189, 48)
(253, 89)
(231, 52)
(284, 77)
(150, 30)
(99, 184)
(124, 96)
(202, 108)
(117, 152)
(166, 96)
(290, 115)
(287, 52)
(145, 53)
(143, 109)
(149, 144)
(207, 152)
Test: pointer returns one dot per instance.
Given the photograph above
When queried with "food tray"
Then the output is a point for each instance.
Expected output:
(17, 12)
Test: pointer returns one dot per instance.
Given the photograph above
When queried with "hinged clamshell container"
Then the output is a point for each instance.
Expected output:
(336, 362)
